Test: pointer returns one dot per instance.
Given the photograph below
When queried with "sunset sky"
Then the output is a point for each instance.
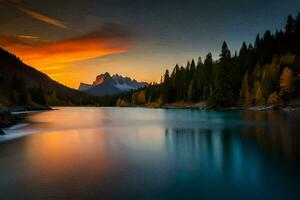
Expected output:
(73, 41)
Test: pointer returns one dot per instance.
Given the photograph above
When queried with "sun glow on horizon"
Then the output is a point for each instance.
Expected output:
(56, 58)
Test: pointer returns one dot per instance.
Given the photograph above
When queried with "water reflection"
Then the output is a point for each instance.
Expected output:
(237, 159)
(279, 136)
(217, 152)
(136, 153)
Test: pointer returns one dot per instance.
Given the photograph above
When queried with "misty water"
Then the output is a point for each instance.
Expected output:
(138, 153)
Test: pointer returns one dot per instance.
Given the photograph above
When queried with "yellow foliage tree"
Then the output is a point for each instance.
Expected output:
(134, 99)
(138, 98)
(141, 97)
(245, 94)
(287, 59)
(286, 81)
(273, 98)
(122, 103)
(258, 93)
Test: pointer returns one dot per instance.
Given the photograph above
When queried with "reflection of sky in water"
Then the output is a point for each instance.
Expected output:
(131, 153)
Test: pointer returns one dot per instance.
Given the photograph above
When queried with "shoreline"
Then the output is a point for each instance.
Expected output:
(11, 116)
(250, 108)
(203, 106)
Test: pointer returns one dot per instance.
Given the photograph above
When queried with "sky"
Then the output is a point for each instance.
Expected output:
(75, 40)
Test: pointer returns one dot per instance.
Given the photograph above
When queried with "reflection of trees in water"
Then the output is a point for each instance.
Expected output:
(235, 153)
(216, 153)
(277, 136)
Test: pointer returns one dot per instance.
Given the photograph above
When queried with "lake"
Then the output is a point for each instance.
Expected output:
(139, 153)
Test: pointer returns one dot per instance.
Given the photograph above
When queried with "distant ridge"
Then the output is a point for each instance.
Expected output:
(84, 86)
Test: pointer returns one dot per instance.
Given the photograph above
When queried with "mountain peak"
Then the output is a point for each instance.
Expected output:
(105, 84)
(102, 78)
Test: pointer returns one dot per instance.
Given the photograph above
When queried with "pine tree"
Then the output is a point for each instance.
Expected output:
(206, 76)
(193, 66)
(290, 29)
(224, 91)
(166, 87)
(290, 25)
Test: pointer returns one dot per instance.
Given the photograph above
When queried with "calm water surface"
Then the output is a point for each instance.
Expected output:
(137, 153)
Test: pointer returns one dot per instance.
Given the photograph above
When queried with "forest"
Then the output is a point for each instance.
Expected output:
(266, 72)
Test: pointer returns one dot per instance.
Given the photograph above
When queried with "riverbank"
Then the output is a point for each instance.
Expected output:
(8, 117)
(205, 106)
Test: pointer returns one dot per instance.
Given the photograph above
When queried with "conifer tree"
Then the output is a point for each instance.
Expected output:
(206, 75)
(224, 91)
(290, 25)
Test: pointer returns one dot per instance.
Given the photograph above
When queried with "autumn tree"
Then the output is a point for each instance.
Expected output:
(273, 98)
(245, 94)
(258, 94)
(141, 98)
(286, 83)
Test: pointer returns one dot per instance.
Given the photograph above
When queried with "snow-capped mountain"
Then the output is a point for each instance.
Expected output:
(126, 83)
(110, 85)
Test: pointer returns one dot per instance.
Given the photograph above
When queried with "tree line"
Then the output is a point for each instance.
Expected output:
(262, 73)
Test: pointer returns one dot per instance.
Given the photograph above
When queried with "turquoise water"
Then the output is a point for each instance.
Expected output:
(138, 153)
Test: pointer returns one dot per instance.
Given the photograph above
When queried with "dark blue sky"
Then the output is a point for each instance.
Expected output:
(162, 32)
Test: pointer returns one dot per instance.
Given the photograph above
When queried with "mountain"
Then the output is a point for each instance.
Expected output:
(21, 84)
(105, 84)
(126, 84)
(11, 66)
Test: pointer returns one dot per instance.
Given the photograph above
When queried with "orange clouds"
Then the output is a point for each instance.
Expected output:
(42, 54)
(57, 58)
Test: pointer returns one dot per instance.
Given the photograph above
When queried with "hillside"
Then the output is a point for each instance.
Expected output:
(21, 84)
